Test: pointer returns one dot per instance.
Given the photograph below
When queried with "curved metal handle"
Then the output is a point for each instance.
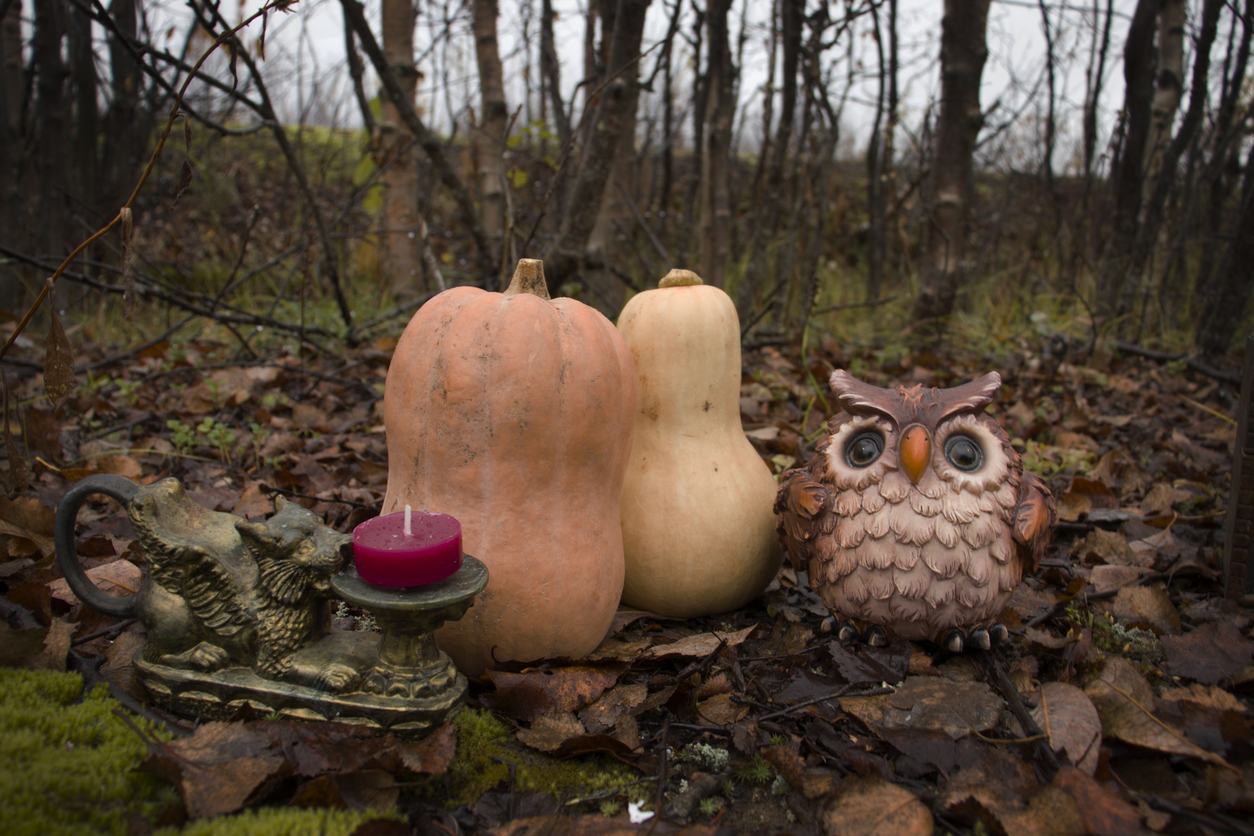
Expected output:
(117, 487)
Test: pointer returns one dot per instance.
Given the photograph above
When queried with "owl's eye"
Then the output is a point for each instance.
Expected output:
(963, 453)
(864, 448)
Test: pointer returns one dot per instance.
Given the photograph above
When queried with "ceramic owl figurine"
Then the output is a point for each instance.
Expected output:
(915, 517)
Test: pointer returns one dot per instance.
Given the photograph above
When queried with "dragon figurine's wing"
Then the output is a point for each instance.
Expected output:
(215, 595)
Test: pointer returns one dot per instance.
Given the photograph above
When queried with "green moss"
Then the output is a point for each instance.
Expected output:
(281, 821)
(67, 766)
(486, 747)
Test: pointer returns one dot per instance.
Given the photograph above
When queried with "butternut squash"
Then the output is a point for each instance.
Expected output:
(698, 527)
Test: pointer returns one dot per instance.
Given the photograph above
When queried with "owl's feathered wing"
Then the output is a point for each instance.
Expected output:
(1035, 517)
(803, 505)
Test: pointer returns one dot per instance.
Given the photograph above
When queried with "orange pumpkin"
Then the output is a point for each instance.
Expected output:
(514, 413)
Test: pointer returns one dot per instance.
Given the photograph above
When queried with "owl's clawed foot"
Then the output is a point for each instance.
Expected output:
(956, 640)
(871, 634)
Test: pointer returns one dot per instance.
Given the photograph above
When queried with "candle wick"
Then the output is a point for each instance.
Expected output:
(409, 527)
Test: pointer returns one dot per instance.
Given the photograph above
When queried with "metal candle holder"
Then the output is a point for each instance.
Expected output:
(238, 612)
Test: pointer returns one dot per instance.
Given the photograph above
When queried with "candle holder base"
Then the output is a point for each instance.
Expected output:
(237, 613)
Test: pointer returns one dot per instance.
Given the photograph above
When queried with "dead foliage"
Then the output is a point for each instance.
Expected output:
(1123, 703)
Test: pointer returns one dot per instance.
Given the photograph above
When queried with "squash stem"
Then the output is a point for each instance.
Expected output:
(528, 278)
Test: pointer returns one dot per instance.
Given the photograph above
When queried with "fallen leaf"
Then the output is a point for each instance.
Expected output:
(1102, 812)
(530, 695)
(1071, 722)
(1210, 654)
(1148, 605)
(1044, 638)
(217, 768)
(56, 645)
(21, 648)
(931, 702)
(604, 712)
(859, 663)
(119, 667)
(253, 503)
(119, 578)
(974, 761)
(1125, 702)
(549, 732)
(1109, 577)
(58, 362)
(721, 710)
(873, 806)
(1161, 498)
(702, 644)
(29, 519)
(1101, 546)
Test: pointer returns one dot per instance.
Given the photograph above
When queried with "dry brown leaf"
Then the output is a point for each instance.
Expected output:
(874, 807)
(18, 476)
(618, 701)
(1210, 654)
(29, 519)
(21, 648)
(58, 363)
(119, 464)
(1148, 605)
(702, 644)
(1161, 498)
(119, 667)
(1101, 546)
(1102, 812)
(119, 578)
(1109, 577)
(720, 710)
(56, 645)
(549, 732)
(1068, 717)
(530, 695)
(1125, 702)
(931, 702)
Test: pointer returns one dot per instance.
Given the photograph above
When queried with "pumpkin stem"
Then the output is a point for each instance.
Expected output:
(528, 278)
(680, 278)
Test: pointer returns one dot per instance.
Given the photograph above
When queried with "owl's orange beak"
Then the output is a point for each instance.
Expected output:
(915, 452)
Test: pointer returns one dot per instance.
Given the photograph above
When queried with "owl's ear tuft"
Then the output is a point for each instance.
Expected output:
(859, 398)
(970, 397)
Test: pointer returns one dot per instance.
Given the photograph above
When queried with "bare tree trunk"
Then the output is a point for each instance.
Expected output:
(434, 148)
(1138, 77)
(700, 96)
(85, 162)
(715, 198)
(493, 118)
(615, 109)
(10, 149)
(550, 67)
(875, 180)
(767, 217)
(1225, 153)
(1169, 89)
(1152, 210)
(127, 124)
(401, 257)
(52, 126)
(1227, 298)
(1093, 75)
(357, 73)
(963, 53)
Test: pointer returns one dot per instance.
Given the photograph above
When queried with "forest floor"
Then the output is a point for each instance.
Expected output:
(1123, 703)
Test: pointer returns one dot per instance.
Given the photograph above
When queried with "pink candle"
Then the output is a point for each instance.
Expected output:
(407, 548)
